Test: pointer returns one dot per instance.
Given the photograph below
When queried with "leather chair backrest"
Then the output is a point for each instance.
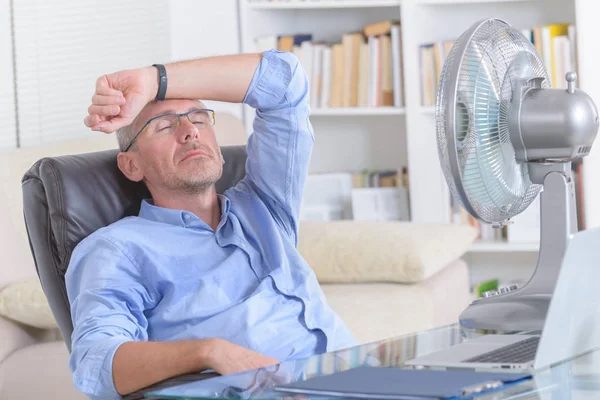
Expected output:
(67, 198)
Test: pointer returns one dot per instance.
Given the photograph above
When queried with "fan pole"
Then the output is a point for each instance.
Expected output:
(525, 308)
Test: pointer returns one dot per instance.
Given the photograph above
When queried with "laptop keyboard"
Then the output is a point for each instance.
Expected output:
(515, 353)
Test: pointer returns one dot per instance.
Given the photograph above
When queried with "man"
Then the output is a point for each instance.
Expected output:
(199, 281)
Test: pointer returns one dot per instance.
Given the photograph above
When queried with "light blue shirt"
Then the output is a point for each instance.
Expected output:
(165, 275)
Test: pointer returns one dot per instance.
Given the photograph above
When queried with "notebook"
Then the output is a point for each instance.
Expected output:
(404, 384)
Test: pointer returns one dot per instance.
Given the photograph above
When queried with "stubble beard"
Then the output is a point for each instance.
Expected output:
(200, 175)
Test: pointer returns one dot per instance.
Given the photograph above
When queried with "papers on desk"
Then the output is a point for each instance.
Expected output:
(403, 384)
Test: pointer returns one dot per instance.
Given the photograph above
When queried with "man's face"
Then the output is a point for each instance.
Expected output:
(184, 157)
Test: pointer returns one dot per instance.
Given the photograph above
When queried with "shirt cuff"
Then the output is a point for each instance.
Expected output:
(271, 79)
(97, 381)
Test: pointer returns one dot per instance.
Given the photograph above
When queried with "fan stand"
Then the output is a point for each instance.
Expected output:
(525, 308)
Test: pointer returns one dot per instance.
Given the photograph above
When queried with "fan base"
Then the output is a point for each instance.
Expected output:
(517, 313)
(525, 308)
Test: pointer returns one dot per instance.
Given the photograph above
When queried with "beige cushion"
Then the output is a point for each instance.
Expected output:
(24, 301)
(357, 251)
(375, 311)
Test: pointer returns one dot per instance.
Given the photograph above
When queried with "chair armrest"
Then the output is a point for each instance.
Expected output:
(14, 337)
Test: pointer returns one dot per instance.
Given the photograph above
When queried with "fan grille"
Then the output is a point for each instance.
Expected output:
(488, 180)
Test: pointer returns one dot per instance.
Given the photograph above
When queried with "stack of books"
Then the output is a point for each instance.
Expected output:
(380, 178)
(362, 69)
(556, 44)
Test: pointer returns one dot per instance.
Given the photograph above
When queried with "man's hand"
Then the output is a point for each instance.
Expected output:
(228, 358)
(137, 365)
(119, 98)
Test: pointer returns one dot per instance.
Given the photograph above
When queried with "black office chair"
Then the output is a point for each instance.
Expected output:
(67, 198)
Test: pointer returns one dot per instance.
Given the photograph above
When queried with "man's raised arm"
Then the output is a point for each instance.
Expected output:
(120, 96)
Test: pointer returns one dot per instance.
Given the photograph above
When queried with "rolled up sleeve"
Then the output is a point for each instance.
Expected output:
(280, 145)
(107, 297)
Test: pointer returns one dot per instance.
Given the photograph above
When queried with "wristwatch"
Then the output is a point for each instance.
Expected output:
(162, 81)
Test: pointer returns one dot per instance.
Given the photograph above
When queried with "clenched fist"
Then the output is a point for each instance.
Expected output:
(119, 98)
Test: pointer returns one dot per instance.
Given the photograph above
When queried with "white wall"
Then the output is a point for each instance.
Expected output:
(8, 133)
(203, 28)
(587, 12)
(63, 46)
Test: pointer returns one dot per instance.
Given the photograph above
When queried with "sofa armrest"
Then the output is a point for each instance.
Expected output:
(14, 337)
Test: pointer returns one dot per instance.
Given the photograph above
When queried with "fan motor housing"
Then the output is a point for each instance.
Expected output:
(555, 125)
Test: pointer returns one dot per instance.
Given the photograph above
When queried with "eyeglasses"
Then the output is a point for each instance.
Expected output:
(168, 123)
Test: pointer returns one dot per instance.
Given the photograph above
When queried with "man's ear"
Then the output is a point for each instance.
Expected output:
(128, 164)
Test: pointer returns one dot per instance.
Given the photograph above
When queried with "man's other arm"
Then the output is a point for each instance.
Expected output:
(111, 354)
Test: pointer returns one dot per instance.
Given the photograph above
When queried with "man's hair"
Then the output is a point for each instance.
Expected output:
(126, 133)
(124, 136)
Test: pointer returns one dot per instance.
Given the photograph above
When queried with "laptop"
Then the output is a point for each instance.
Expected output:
(571, 328)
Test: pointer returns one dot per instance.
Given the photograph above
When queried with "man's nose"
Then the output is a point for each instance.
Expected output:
(187, 131)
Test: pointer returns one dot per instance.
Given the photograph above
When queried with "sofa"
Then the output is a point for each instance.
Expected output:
(383, 279)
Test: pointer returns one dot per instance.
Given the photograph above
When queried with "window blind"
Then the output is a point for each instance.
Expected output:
(8, 121)
(63, 46)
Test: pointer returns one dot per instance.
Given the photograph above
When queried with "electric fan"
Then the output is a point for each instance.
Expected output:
(504, 136)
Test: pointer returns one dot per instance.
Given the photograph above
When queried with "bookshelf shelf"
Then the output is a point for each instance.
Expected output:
(311, 4)
(361, 111)
(456, 2)
(502, 247)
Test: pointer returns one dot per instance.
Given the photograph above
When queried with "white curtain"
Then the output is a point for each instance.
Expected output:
(8, 121)
(63, 46)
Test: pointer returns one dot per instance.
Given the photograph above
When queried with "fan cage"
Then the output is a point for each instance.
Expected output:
(487, 180)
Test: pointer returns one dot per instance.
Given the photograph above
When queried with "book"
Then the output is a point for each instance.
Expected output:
(351, 43)
(379, 28)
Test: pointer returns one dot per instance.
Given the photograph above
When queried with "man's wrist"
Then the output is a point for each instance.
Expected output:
(205, 350)
(152, 77)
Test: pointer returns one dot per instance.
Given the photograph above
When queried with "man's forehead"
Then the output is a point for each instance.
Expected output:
(171, 106)
(175, 106)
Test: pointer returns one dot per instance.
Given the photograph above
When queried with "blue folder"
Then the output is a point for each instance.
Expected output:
(404, 384)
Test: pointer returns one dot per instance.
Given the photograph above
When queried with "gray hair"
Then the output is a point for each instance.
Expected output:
(124, 136)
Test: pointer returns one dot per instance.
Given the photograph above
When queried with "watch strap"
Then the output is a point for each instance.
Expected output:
(162, 81)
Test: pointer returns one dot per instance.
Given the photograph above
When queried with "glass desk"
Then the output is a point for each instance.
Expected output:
(575, 379)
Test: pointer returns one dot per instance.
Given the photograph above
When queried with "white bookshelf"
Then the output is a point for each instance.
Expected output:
(457, 2)
(395, 137)
(316, 4)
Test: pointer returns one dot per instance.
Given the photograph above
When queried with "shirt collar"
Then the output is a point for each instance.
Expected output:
(176, 217)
